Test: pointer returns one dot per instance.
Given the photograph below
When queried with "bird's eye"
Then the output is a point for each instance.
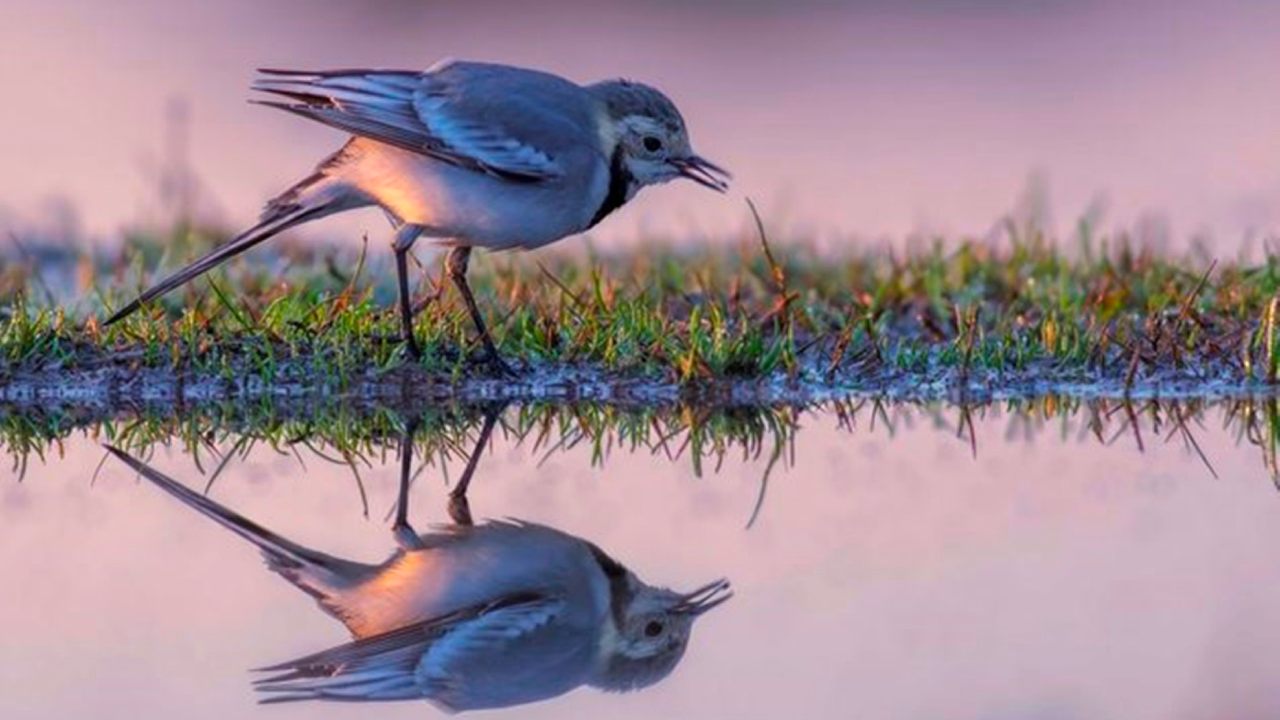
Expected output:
(653, 629)
(652, 144)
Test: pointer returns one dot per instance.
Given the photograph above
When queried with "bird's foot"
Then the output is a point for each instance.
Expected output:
(497, 365)
(411, 346)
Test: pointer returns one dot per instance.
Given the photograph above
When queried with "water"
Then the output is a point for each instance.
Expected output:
(888, 573)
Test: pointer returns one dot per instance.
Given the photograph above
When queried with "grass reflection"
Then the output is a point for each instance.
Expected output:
(363, 436)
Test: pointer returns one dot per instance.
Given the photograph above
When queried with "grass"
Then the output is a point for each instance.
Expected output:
(358, 434)
(362, 436)
(694, 354)
(955, 317)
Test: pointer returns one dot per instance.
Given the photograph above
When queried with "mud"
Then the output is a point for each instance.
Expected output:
(111, 385)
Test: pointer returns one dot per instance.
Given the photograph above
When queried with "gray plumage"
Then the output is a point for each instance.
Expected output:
(472, 617)
(472, 155)
(625, 98)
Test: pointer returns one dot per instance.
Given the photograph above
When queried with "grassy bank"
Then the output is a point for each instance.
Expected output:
(951, 318)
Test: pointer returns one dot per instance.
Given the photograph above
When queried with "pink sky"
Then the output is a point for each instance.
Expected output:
(859, 119)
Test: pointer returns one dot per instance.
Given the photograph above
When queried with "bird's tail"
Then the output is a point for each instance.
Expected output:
(316, 196)
(321, 576)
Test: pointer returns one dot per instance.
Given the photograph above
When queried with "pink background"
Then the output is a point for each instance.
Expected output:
(851, 120)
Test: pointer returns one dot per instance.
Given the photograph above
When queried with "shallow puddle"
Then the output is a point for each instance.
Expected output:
(900, 563)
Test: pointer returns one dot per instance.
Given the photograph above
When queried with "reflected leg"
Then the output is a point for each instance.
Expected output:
(406, 537)
(459, 508)
(456, 266)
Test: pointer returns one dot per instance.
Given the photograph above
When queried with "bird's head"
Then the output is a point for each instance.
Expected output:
(650, 631)
(649, 136)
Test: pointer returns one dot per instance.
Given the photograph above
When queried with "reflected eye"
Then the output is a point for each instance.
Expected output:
(653, 145)
(653, 629)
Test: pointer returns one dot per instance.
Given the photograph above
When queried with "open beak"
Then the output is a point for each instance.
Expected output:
(702, 171)
(704, 598)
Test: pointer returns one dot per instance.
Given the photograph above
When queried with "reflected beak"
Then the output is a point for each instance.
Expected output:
(702, 171)
(704, 598)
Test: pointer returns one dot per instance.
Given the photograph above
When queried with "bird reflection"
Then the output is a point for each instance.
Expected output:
(470, 615)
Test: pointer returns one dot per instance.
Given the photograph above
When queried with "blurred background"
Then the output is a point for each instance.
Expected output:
(848, 121)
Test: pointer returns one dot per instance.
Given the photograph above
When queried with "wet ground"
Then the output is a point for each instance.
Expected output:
(900, 561)
(113, 381)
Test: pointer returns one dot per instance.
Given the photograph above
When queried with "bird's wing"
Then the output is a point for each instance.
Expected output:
(412, 661)
(487, 636)
(505, 121)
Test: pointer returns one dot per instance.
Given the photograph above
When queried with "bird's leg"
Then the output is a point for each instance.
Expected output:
(456, 267)
(406, 537)
(459, 508)
(405, 236)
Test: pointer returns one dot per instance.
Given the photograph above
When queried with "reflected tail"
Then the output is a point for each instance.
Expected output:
(322, 576)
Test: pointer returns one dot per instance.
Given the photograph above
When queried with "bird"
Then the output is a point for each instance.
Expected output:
(470, 616)
(470, 154)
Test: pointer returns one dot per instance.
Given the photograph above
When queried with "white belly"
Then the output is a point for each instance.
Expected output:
(473, 208)
(496, 559)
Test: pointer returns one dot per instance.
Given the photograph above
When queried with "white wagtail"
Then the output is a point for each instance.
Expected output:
(471, 616)
(473, 154)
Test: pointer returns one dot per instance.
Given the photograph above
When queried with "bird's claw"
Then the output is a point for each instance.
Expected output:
(411, 346)
(498, 365)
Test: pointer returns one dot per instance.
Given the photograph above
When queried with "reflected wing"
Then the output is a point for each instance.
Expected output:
(503, 121)
(411, 662)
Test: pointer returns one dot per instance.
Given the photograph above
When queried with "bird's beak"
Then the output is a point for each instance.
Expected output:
(704, 598)
(702, 171)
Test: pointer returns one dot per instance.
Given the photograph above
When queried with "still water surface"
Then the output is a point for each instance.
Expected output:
(1050, 577)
